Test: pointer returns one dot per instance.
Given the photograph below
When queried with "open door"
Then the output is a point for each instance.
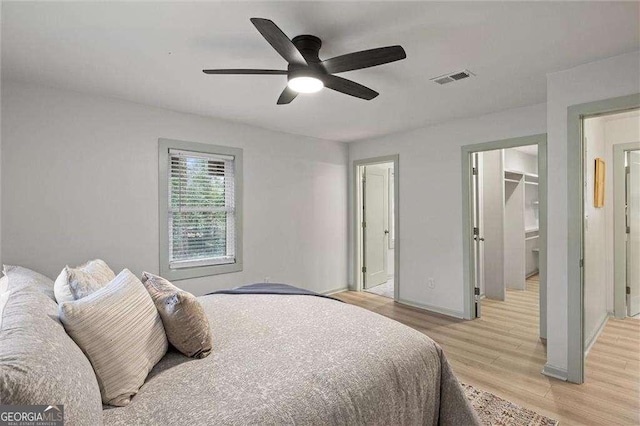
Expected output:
(374, 231)
(633, 232)
(476, 229)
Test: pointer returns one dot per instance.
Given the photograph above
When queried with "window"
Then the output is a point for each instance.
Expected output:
(200, 194)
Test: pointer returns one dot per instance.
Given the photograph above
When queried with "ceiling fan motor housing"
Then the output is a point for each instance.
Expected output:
(309, 46)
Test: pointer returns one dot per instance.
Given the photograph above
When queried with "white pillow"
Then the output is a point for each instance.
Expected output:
(76, 283)
(120, 331)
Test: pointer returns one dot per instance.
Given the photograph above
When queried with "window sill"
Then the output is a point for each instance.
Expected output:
(198, 271)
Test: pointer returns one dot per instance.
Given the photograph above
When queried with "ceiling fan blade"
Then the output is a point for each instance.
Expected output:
(279, 41)
(348, 87)
(287, 96)
(364, 59)
(245, 71)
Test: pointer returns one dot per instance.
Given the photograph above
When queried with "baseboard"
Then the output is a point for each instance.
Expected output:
(530, 274)
(555, 372)
(436, 309)
(334, 291)
(592, 339)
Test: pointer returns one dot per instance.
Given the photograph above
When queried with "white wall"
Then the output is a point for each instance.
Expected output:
(520, 161)
(595, 254)
(430, 178)
(609, 78)
(80, 180)
(492, 198)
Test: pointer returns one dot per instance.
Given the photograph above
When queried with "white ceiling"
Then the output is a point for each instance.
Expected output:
(153, 53)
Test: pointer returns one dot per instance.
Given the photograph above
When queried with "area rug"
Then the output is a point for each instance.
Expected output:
(496, 411)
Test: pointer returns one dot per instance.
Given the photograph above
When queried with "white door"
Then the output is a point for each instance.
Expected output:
(374, 231)
(633, 232)
(478, 261)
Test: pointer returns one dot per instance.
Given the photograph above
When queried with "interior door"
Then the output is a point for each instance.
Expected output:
(492, 171)
(374, 231)
(633, 232)
(476, 189)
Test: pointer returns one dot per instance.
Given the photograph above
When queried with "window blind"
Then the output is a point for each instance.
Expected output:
(202, 213)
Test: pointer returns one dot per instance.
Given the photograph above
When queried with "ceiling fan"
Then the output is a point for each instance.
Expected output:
(306, 73)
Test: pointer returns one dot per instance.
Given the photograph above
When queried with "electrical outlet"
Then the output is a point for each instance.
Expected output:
(431, 283)
(267, 279)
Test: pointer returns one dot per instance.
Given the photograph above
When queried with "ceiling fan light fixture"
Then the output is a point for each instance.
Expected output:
(305, 84)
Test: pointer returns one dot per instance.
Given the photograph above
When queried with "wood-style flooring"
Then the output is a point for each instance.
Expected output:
(501, 353)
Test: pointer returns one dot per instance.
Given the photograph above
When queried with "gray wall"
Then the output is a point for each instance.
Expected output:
(80, 181)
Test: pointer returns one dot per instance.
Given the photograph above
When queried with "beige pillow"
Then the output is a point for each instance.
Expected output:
(185, 323)
(81, 281)
(120, 331)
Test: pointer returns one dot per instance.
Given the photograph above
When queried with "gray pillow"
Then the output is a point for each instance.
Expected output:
(19, 278)
(185, 323)
(39, 362)
(120, 331)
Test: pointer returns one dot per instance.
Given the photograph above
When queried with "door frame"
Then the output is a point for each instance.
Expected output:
(619, 228)
(357, 219)
(575, 223)
(467, 219)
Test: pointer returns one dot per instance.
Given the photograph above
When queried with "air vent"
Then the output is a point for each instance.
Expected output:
(451, 77)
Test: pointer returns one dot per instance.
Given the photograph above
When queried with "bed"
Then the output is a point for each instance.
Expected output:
(303, 360)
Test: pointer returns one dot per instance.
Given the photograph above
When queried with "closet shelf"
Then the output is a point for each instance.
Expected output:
(531, 175)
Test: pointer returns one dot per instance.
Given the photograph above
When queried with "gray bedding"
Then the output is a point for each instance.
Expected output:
(287, 359)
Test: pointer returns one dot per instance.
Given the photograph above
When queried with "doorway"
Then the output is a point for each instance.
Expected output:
(611, 213)
(580, 320)
(376, 222)
(506, 230)
(504, 225)
(632, 216)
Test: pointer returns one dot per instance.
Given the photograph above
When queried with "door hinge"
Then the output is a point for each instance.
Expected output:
(628, 290)
(582, 263)
(364, 224)
(475, 171)
(627, 169)
(628, 229)
(476, 231)
(364, 269)
(476, 291)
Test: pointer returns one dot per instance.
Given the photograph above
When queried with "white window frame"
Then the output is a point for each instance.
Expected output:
(203, 268)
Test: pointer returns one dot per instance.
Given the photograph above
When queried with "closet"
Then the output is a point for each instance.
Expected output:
(510, 207)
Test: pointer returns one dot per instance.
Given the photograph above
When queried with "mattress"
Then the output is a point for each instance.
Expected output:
(303, 360)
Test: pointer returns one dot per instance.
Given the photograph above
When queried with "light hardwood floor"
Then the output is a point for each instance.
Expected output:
(501, 353)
